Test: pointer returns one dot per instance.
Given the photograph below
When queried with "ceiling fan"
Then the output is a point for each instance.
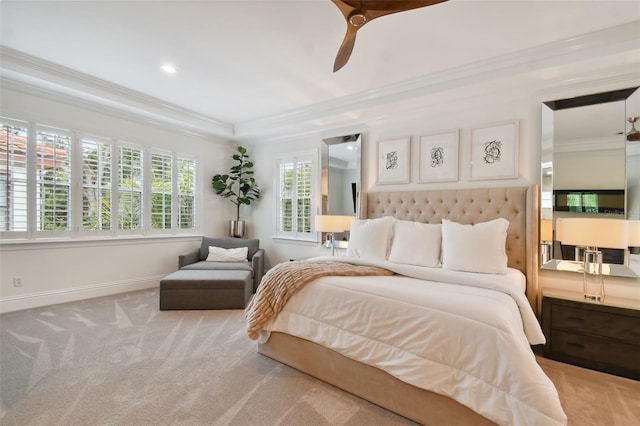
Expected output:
(359, 12)
(634, 134)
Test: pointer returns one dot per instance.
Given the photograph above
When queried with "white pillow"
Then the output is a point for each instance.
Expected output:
(369, 238)
(475, 248)
(416, 243)
(219, 254)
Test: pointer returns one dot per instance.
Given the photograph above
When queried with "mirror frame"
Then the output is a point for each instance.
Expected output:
(546, 161)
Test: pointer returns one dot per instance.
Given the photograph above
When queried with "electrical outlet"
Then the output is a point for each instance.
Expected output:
(17, 281)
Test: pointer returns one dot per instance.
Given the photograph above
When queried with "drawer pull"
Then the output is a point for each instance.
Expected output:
(575, 319)
(575, 345)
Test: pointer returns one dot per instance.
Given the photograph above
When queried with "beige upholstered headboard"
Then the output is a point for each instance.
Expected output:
(519, 205)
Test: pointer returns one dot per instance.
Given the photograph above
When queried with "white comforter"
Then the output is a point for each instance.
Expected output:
(469, 341)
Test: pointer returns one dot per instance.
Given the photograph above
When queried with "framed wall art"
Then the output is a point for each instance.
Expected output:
(439, 157)
(393, 161)
(494, 151)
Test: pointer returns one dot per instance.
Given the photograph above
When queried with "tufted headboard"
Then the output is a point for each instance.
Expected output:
(519, 205)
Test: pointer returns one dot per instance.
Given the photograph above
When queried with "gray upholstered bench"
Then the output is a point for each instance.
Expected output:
(206, 289)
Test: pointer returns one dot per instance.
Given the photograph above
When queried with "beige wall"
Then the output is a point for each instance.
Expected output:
(456, 113)
(67, 271)
(574, 170)
(55, 272)
(462, 114)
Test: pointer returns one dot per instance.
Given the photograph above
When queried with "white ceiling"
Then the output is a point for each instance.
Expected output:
(241, 62)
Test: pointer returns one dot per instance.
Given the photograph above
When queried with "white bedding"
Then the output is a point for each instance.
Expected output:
(463, 340)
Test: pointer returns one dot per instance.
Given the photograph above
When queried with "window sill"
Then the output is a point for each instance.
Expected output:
(45, 243)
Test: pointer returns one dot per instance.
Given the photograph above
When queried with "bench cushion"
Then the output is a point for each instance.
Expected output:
(219, 266)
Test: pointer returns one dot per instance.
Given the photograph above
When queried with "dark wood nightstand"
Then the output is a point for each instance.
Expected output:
(601, 336)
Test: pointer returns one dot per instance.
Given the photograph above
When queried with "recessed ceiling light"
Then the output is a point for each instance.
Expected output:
(169, 69)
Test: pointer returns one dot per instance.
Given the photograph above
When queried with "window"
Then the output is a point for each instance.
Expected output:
(161, 191)
(13, 177)
(53, 180)
(96, 184)
(296, 192)
(129, 188)
(57, 183)
(607, 201)
(186, 193)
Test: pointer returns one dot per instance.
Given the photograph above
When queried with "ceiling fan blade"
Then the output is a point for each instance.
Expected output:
(377, 8)
(344, 53)
(396, 5)
(345, 8)
(358, 12)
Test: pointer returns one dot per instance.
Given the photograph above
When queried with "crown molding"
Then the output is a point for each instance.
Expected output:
(621, 38)
(591, 144)
(162, 122)
(28, 74)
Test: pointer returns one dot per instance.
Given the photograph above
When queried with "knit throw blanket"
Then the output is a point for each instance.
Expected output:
(285, 279)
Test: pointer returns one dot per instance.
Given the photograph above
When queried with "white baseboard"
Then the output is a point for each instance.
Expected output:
(45, 298)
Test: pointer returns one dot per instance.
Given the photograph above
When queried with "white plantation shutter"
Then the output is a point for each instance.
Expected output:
(296, 183)
(161, 190)
(130, 188)
(304, 186)
(97, 167)
(186, 193)
(13, 178)
(286, 198)
(53, 180)
(58, 183)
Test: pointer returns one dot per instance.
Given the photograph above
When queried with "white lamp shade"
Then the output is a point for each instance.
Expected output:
(546, 230)
(347, 222)
(594, 232)
(634, 233)
(329, 223)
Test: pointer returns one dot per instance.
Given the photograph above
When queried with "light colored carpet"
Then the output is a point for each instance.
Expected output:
(118, 360)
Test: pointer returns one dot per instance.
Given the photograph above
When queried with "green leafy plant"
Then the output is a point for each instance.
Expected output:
(239, 184)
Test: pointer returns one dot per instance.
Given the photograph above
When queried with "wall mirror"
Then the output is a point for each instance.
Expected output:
(586, 156)
(341, 157)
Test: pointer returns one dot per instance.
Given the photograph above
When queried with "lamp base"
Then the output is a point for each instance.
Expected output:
(593, 284)
(331, 242)
(545, 252)
(594, 297)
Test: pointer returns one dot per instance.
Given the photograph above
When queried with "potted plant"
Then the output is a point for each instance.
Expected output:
(239, 186)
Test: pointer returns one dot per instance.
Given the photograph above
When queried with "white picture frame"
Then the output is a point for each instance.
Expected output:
(393, 161)
(439, 157)
(494, 151)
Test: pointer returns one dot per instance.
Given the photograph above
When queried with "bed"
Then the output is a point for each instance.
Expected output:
(400, 340)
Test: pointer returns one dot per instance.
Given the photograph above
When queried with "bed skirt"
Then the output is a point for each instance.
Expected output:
(369, 383)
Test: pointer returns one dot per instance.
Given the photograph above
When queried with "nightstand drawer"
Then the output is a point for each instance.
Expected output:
(596, 351)
(603, 324)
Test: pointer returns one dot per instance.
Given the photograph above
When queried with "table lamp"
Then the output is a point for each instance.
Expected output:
(592, 234)
(330, 224)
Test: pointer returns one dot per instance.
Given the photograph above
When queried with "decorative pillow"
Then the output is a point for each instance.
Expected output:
(475, 248)
(369, 238)
(219, 254)
(416, 243)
